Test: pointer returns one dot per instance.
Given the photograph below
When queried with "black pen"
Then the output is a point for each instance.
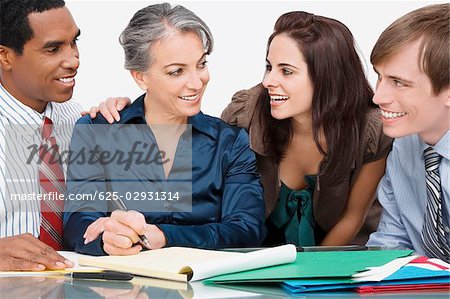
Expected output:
(142, 238)
(107, 275)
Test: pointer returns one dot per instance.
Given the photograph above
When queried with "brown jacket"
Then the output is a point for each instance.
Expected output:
(329, 200)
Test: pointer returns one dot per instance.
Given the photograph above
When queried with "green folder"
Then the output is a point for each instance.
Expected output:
(331, 264)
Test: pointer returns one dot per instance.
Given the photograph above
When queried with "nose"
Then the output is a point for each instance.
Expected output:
(72, 59)
(382, 95)
(270, 80)
(197, 79)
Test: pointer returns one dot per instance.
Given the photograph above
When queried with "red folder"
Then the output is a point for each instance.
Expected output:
(405, 287)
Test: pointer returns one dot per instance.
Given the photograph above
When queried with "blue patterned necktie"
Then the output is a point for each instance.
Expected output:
(433, 234)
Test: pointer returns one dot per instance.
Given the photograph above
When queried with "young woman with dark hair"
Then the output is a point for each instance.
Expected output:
(316, 133)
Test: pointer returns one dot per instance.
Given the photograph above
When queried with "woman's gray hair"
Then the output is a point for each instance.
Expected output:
(154, 23)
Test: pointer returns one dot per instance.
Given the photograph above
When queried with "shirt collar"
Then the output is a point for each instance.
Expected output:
(201, 123)
(16, 111)
(136, 111)
(50, 113)
(441, 147)
(20, 114)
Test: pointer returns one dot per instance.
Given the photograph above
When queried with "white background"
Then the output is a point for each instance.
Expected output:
(240, 31)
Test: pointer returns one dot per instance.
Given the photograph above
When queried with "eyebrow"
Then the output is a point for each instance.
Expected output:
(183, 64)
(55, 43)
(395, 77)
(284, 65)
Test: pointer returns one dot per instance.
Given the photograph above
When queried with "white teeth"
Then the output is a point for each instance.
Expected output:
(190, 98)
(66, 80)
(279, 98)
(391, 115)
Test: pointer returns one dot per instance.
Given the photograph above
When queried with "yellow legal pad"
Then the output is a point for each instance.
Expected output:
(191, 264)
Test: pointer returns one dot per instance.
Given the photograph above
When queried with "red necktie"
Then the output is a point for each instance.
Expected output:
(52, 183)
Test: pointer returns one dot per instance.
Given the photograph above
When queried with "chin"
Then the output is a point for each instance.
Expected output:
(192, 112)
(61, 98)
(395, 133)
(279, 116)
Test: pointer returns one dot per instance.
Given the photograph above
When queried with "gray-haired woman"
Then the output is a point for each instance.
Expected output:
(165, 51)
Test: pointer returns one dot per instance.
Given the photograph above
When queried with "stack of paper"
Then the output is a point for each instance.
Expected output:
(317, 265)
(403, 274)
(361, 271)
(420, 274)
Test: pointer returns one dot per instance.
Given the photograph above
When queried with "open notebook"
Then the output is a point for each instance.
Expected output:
(190, 264)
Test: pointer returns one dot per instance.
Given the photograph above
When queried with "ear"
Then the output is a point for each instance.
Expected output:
(139, 78)
(6, 57)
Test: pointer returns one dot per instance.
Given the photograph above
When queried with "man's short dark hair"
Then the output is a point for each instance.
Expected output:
(15, 28)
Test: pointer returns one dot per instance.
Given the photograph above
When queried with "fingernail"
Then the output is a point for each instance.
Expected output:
(60, 265)
(69, 263)
(40, 267)
(119, 107)
(118, 118)
(84, 236)
(87, 240)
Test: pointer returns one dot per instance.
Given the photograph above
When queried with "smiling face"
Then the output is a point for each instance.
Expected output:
(176, 79)
(287, 80)
(45, 71)
(406, 98)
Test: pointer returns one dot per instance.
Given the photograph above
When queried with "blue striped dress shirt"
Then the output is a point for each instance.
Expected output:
(402, 193)
(19, 125)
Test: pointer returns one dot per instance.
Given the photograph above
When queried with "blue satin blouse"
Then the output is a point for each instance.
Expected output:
(227, 196)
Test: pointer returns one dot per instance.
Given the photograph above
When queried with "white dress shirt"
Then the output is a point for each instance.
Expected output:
(20, 126)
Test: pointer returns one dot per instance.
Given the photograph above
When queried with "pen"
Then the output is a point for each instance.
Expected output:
(142, 238)
(107, 275)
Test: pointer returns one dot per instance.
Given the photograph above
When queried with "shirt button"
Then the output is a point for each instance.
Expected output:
(447, 229)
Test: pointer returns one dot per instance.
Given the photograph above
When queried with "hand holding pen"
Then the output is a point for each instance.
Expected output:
(122, 230)
(122, 233)
(142, 238)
